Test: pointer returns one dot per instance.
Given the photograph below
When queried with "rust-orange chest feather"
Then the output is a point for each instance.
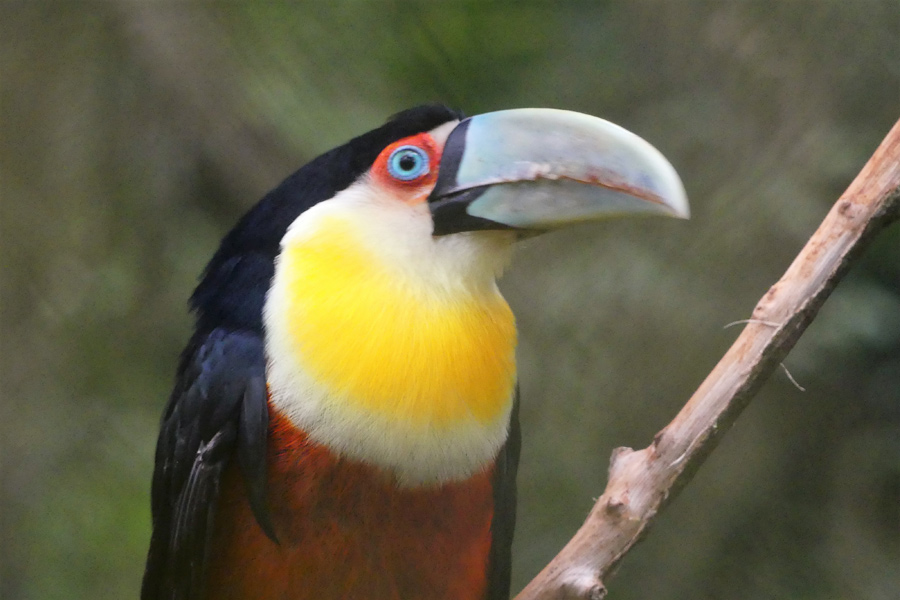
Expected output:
(347, 531)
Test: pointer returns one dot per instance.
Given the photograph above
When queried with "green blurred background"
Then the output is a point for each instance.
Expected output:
(135, 133)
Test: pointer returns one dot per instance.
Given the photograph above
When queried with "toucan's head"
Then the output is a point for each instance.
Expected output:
(375, 268)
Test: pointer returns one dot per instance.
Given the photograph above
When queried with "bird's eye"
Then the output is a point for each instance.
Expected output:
(407, 163)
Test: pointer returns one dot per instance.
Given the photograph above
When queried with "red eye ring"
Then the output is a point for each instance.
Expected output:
(409, 162)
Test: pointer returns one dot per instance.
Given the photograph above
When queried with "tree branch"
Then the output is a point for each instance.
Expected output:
(641, 482)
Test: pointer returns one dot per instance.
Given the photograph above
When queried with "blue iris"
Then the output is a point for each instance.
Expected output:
(407, 163)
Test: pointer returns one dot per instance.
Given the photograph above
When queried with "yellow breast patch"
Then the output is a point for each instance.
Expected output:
(386, 343)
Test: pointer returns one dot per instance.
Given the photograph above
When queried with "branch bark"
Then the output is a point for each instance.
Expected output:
(642, 482)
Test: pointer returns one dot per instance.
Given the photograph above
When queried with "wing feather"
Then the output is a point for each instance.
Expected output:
(504, 521)
(217, 408)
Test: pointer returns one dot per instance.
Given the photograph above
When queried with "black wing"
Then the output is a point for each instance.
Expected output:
(504, 521)
(218, 408)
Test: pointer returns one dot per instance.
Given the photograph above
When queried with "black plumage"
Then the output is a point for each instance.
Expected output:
(217, 408)
(504, 522)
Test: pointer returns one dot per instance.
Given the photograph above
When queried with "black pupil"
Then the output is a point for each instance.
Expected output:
(408, 162)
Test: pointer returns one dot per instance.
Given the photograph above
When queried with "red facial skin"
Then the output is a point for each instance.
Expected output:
(416, 190)
(346, 531)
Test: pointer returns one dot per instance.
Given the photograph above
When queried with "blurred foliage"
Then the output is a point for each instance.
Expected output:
(135, 133)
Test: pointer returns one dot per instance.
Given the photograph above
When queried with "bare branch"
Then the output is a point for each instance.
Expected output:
(642, 481)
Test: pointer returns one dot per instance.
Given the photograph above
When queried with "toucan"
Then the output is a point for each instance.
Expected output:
(343, 423)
